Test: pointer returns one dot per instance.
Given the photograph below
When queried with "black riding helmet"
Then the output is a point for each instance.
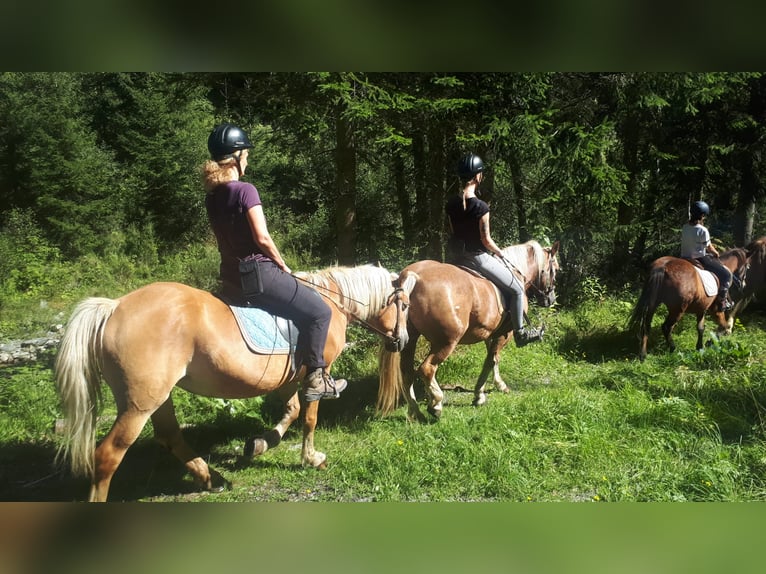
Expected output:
(469, 165)
(698, 209)
(225, 139)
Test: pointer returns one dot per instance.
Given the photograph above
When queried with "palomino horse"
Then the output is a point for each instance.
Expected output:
(676, 283)
(166, 334)
(756, 278)
(450, 306)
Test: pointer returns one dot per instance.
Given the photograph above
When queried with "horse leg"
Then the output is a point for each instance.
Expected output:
(667, 328)
(408, 377)
(310, 456)
(111, 451)
(700, 329)
(427, 372)
(168, 433)
(499, 346)
(257, 446)
(490, 364)
(643, 335)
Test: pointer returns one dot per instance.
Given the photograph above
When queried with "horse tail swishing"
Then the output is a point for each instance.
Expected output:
(643, 312)
(78, 379)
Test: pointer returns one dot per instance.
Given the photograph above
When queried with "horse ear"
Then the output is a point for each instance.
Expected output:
(394, 276)
(555, 248)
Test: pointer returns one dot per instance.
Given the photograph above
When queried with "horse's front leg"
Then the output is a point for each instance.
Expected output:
(257, 446)
(490, 364)
(499, 346)
(310, 456)
(700, 329)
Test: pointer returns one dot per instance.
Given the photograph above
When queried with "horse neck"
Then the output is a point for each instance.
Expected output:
(734, 259)
(358, 291)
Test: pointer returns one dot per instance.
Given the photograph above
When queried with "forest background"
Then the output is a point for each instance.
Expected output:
(101, 171)
(100, 193)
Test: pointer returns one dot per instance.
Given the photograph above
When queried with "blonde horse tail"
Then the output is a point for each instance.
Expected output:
(390, 362)
(78, 382)
(391, 384)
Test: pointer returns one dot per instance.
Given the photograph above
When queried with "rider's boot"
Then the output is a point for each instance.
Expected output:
(725, 302)
(319, 384)
(524, 336)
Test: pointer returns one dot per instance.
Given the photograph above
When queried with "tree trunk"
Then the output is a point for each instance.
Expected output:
(436, 227)
(517, 181)
(345, 207)
(403, 200)
(745, 211)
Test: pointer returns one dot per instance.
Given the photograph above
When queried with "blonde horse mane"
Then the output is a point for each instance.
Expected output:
(362, 290)
(517, 255)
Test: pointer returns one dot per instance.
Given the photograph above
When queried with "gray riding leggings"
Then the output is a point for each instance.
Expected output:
(509, 284)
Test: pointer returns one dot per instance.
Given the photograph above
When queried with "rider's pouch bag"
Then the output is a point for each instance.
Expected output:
(250, 276)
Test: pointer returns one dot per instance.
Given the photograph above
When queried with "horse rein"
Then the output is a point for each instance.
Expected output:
(394, 298)
(512, 268)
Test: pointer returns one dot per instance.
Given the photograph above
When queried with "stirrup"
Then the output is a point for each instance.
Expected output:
(327, 388)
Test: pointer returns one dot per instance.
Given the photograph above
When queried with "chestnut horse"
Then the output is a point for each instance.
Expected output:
(676, 283)
(168, 334)
(756, 278)
(451, 306)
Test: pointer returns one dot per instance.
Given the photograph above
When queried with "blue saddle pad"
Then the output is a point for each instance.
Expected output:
(265, 333)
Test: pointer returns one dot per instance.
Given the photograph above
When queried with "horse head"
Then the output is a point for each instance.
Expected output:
(393, 317)
(544, 289)
(738, 261)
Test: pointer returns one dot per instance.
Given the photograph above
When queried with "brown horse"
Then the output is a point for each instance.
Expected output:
(756, 278)
(676, 283)
(451, 306)
(166, 334)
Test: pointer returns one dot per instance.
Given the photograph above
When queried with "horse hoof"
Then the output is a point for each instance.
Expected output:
(479, 401)
(218, 483)
(256, 446)
(318, 460)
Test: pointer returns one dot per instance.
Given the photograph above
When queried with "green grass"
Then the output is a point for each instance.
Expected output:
(585, 421)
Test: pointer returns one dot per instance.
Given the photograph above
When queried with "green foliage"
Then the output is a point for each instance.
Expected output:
(28, 261)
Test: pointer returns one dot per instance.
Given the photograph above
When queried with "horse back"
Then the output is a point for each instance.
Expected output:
(450, 301)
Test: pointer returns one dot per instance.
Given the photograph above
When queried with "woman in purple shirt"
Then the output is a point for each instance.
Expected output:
(252, 270)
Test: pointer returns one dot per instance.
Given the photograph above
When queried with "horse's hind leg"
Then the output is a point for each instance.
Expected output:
(700, 329)
(112, 449)
(427, 372)
(667, 328)
(168, 433)
(489, 365)
(257, 446)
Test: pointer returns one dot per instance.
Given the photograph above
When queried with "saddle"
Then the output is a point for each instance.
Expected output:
(264, 333)
(708, 278)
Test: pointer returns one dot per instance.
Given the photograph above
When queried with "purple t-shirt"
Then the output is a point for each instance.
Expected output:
(227, 206)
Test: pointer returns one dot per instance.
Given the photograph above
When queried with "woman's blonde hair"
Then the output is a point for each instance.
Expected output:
(214, 173)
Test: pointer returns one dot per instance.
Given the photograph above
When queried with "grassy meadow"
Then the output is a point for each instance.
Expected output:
(585, 421)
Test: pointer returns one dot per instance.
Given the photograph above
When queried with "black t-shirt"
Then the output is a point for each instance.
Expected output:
(465, 223)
